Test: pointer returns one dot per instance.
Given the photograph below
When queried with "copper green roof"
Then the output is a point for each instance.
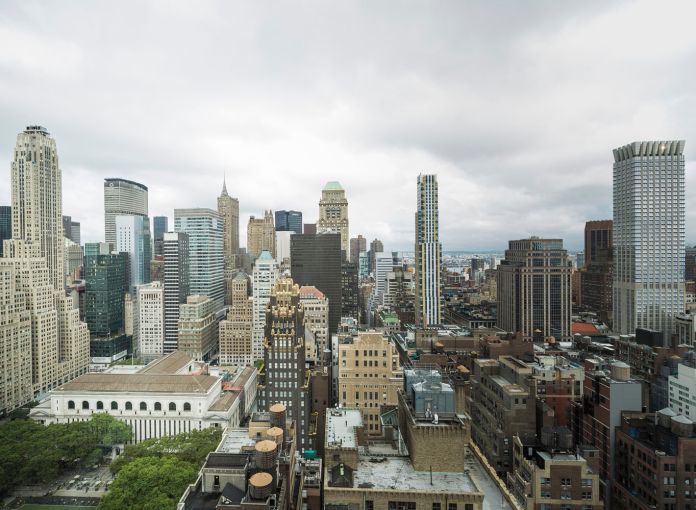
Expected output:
(333, 186)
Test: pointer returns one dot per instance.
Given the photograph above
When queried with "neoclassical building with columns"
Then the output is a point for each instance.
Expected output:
(171, 395)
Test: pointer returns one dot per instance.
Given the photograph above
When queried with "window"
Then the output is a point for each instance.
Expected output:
(158, 406)
(71, 404)
(187, 406)
(216, 480)
(436, 505)
(468, 506)
(143, 406)
(172, 406)
(100, 404)
(565, 481)
(129, 406)
(451, 506)
(369, 505)
(114, 406)
(85, 404)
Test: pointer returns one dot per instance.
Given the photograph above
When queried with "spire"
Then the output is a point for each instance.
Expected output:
(224, 185)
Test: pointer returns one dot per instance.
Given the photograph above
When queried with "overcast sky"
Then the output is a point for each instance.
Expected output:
(514, 105)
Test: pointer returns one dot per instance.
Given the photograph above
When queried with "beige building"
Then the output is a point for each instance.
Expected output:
(369, 376)
(236, 331)
(261, 235)
(316, 307)
(333, 213)
(198, 327)
(151, 321)
(15, 344)
(60, 342)
(228, 208)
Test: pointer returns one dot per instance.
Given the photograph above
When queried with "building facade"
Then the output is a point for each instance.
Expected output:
(198, 327)
(358, 245)
(316, 313)
(133, 237)
(150, 321)
(428, 253)
(236, 331)
(288, 221)
(261, 235)
(648, 236)
(176, 284)
(264, 276)
(333, 214)
(160, 225)
(534, 288)
(228, 207)
(122, 197)
(5, 224)
(206, 252)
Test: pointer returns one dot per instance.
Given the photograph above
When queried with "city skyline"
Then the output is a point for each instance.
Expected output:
(543, 109)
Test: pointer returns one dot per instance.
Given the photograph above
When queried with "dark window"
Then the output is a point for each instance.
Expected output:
(158, 406)
(187, 406)
(114, 405)
(100, 404)
(172, 406)
(129, 406)
(71, 404)
(143, 406)
(85, 404)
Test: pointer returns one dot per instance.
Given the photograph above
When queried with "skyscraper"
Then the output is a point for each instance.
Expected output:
(236, 331)
(264, 276)
(228, 208)
(122, 197)
(5, 224)
(176, 284)
(596, 277)
(261, 235)
(648, 236)
(133, 238)
(206, 254)
(376, 246)
(534, 288)
(34, 258)
(71, 229)
(106, 284)
(333, 213)
(358, 245)
(37, 202)
(428, 253)
(288, 221)
(160, 225)
(315, 259)
(150, 321)
(284, 357)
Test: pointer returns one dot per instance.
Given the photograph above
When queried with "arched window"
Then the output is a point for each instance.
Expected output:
(172, 406)
(143, 406)
(71, 404)
(114, 405)
(85, 404)
(129, 406)
(158, 406)
(100, 404)
(187, 406)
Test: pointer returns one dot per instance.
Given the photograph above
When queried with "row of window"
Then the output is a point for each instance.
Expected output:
(129, 406)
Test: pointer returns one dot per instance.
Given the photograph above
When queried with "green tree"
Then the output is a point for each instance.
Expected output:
(108, 431)
(149, 483)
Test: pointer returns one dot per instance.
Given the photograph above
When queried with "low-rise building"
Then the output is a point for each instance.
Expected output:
(170, 395)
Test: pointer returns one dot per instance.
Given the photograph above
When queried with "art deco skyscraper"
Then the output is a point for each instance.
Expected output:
(428, 253)
(236, 330)
(261, 235)
(37, 202)
(228, 208)
(122, 197)
(333, 214)
(648, 236)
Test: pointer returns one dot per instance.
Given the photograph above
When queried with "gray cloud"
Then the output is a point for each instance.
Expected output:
(515, 105)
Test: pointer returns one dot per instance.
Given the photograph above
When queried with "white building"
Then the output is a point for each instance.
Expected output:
(263, 277)
(151, 321)
(682, 390)
(171, 395)
(283, 246)
(316, 316)
(133, 237)
(428, 252)
(122, 197)
(648, 236)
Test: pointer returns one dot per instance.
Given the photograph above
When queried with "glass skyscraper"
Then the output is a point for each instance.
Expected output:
(5, 224)
(206, 256)
(288, 221)
(648, 236)
(160, 225)
(122, 197)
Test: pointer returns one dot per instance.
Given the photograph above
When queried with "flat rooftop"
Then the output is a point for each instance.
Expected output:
(139, 383)
(340, 427)
(170, 364)
(234, 440)
(562, 457)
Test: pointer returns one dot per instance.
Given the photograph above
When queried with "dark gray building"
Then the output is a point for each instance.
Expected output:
(5, 224)
(160, 225)
(289, 221)
(349, 290)
(175, 247)
(71, 229)
(316, 260)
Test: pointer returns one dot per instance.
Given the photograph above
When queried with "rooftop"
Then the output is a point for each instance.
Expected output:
(234, 440)
(311, 290)
(340, 427)
(167, 365)
(140, 383)
(333, 186)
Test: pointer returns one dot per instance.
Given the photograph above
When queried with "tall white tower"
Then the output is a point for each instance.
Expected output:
(428, 253)
(264, 276)
(37, 203)
(648, 236)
